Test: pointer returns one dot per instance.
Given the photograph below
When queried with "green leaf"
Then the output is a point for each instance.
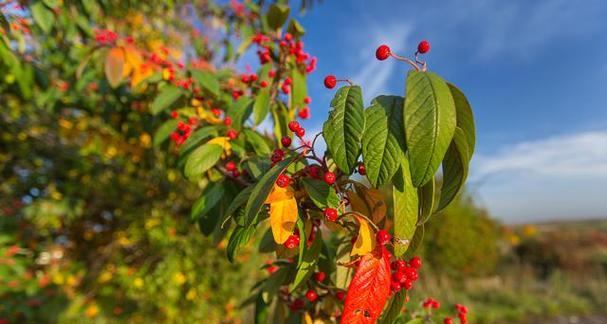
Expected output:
(196, 137)
(344, 128)
(394, 307)
(406, 205)
(240, 112)
(262, 189)
(257, 166)
(321, 193)
(299, 88)
(239, 238)
(302, 242)
(43, 16)
(267, 243)
(246, 36)
(277, 15)
(164, 131)
(240, 199)
(465, 117)
(455, 169)
(261, 107)
(426, 200)
(295, 28)
(207, 81)
(167, 96)
(202, 159)
(281, 119)
(429, 123)
(261, 310)
(383, 142)
(418, 238)
(257, 142)
(211, 195)
(308, 263)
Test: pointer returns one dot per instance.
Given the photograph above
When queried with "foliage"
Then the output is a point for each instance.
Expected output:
(88, 83)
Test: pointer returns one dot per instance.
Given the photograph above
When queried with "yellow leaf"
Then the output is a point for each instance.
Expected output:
(278, 194)
(142, 72)
(283, 213)
(365, 242)
(207, 116)
(224, 142)
(307, 318)
(132, 60)
(114, 65)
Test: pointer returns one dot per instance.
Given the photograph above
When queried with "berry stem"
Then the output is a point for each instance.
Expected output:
(407, 60)
(346, 80)
(418, 61)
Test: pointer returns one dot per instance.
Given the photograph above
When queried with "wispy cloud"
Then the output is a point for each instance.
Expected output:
(583, 154)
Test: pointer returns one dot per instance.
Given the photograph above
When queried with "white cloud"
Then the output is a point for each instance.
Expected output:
(583, 154)
(560, 177)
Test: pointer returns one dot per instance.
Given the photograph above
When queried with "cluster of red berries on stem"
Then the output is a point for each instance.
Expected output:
(183, 131)
(404, 273)
(296, 128)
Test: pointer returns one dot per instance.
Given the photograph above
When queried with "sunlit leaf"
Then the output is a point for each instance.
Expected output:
(365, 240)
(405, 210)
(114, 66)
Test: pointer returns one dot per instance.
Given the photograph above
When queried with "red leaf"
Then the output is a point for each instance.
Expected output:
(369, 289)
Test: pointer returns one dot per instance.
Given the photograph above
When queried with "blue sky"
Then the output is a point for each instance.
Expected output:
(534, 71)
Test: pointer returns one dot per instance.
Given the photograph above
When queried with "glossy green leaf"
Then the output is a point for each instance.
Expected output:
(455, 169)
(262, 189)
(257, 142)
(43, 16)
(393, 310)
(465, 117)
(426, 200)
(239, 238)
(202, 159)
(281, 119)
(164, 131)
(207, 81)
(308, 264)
(261, 310)
(167, 96)
(271, 286)
(261, 106)
(383, 142)
(295, 28)
(277, 15)
(344, 128)
(196, 137)
(211, 195)
(299, 88)
(321, 193)
(429, 123)
(257, 166)
(238, 201)
(418, 238)
(240, 111)
(246, 37)
(405, 208)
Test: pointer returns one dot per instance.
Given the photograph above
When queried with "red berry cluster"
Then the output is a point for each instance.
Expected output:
(462, 312)
(105, 37)
(431, 303)
(181, 134)
(296, 128)
(288, 45)
(404, 273)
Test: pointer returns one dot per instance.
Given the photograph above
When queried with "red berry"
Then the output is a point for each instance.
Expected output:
(415, 262)
(331, 214)
(330, 81)
(294, 126)
(285, 141)
(232, 134)
(253, 77)
(395, 286)
(292, 242)
(383, 237)
(288, 37)
(174, 114)
(320, 276)
(227, 121)
(447, 320)
(307, 100)
(311, 295)
(245, 78)
(272, 73)
(340, 295)
(263, 84)
(399, 277)
(297, 304)
(283, 180)
(230, 166)
(361, 169)
(408, 284)
(271, 269)
(382, 52)
(235, 173)
(300, 132)
(423, 47)
(304, 113)
(401, 265)
(329, 177)
(288, 81)
(285, 88)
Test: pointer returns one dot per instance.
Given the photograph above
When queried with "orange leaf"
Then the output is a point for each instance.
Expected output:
(365, 241)
(369, 289)
(370, 203)
(132, 59)
(114, 65)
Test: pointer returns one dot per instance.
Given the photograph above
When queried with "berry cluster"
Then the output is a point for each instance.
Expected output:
(431, 303)
(404, 273)
(105, 37)
(183, 131)
(288, 47)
